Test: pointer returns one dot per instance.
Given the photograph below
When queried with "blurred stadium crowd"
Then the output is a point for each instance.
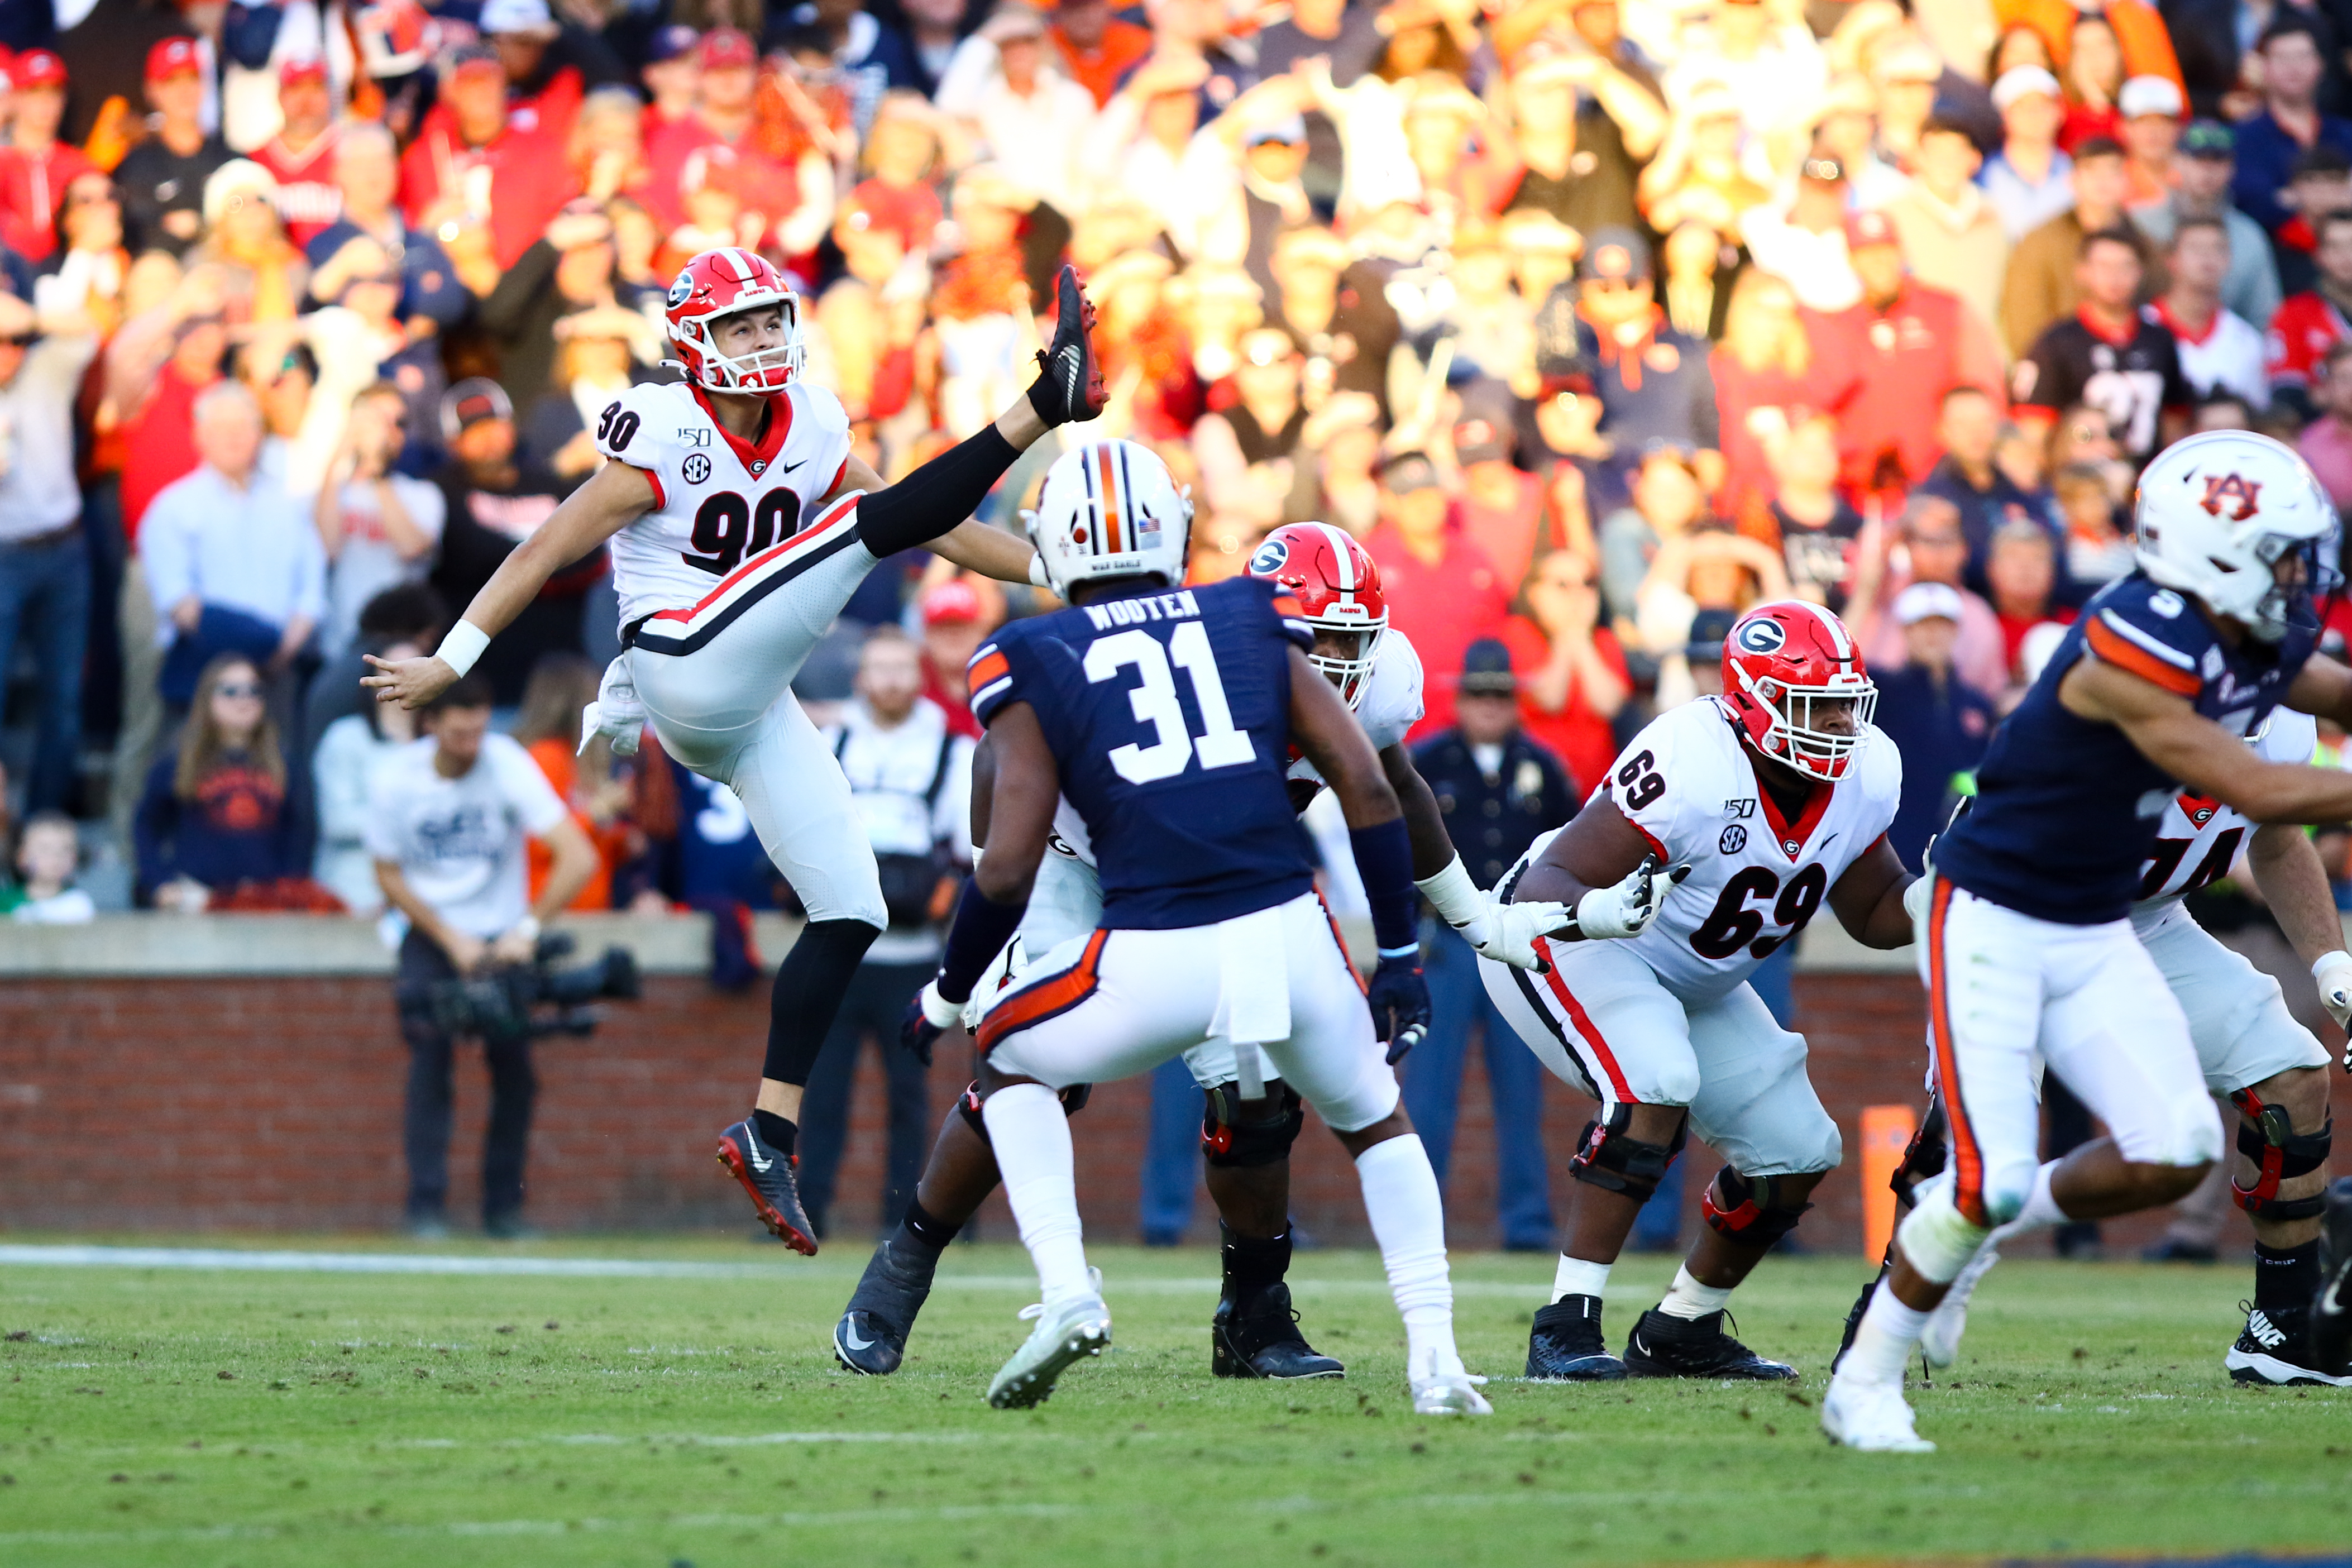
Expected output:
(1597, 321)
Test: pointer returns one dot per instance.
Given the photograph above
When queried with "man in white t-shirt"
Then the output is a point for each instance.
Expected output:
(380, 527)
(449, 817)
(2222, 353)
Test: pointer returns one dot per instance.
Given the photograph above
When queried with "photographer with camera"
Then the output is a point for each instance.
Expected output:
(910, 777)
(449, 817)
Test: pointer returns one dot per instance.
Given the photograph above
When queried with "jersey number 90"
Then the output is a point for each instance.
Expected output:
(727, 530)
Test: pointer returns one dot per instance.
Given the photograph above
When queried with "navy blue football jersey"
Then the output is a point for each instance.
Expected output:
(2067, 811)
(1168, 716)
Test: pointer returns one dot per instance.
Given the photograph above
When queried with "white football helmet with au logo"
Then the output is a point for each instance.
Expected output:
(2216, 515)
(1110, 508)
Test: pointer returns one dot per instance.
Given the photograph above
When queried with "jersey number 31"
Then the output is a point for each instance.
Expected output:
(1155, 703)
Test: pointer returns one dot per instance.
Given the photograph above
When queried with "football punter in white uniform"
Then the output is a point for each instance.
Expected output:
(1253, 1118)
(1723, 828)
(740, 525)
(2252, 1053)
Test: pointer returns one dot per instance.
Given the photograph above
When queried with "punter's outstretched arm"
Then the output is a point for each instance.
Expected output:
(615, 497)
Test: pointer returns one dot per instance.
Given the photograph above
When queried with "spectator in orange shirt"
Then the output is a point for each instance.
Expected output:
(562, 685)
(1097, 48)
(34, 166)
(474, 161)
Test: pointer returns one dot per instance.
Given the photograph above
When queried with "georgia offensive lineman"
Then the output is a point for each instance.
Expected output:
(2026, 946)
(740, 525)
(1165, 717)
(1248, 1129)
(1767, 802)
(2251, 1050)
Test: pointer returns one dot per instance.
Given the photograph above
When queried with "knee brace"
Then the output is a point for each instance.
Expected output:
(2267, 1137)
(1749, 1209)
(1607, 1158)
(1923, 1157)
(1073, 1100)
(1233, 1144)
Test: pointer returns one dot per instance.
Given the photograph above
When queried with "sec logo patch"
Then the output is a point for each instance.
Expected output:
(696, 468)
(1734, 839)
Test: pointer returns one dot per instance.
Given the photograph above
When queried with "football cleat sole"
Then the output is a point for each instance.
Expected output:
(731, 1158)
(2255, 1367)
(1019, 1387)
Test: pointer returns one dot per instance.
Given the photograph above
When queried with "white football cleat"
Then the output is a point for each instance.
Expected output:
(1079, 1327)
(1452, 1392)
(1870, 1416)
(1940, 1340)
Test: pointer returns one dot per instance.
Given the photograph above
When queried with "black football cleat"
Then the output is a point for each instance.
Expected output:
(1258, 1337)
(1664, 1346)
(871, 1337)
(1069, 385)
(2331, 1310)
(766, 1174)
(2276, 1349)
(1566, 1345)
(1853, 1317)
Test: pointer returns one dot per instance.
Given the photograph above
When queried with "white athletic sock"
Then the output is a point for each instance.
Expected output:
(1689, 1299)
(1031, 1139)
(1409, 1222)
(1575, 1277)
(1882, 1345)
(2041, 1207)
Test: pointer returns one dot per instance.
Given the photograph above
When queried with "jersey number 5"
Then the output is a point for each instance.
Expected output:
(727, 530)
(1155, 703)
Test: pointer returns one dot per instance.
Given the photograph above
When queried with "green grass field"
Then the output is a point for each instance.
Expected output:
(169, 1416)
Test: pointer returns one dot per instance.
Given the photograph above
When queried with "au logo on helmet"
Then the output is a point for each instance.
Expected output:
(2230, 491)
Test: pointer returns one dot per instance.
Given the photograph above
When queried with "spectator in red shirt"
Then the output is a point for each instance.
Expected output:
(34, 166)
(543, 90)
(1912, 344)
(1572, 679)
(2022, 572)
(1776, 366)
(1442, 592)
(302, 156)
(1501, 506)
(902, 150)
(2307, 325)
(2327, 442)
(724, 114)
(955, 620)
(473, 160)
(673, 76)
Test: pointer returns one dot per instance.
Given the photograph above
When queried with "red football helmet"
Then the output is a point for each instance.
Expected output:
(1784, 661)
(726, 282)
(1338, 586)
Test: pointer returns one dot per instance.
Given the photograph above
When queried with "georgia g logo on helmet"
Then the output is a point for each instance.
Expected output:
(1761, 634)
(1269, 558)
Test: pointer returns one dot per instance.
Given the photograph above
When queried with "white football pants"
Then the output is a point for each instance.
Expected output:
(716, 680)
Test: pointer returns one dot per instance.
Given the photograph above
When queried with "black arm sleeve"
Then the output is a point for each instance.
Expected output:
(935, 496)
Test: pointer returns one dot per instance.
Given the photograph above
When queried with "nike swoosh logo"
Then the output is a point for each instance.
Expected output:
(2328, 1303)
(788, 467)
(1639, 1346)
(751, 1146)
(849, 1336)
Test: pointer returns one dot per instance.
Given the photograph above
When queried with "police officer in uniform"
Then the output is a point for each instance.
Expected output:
(1499, 791)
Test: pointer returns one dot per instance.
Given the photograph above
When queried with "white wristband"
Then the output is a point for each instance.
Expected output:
(2329, 960)
(1037, 571)
(1454, 895)
(461, 645)
(526, 928)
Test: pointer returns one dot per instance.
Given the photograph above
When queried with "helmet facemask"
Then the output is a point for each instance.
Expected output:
(1352, 675)
(1793, 737)
(2309, 576)
(763, 371)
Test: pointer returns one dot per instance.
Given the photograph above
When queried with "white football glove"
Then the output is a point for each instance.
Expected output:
(616, 713)
(2333, 974)
(1506, 932)
(1916, 898)
(1627, 909)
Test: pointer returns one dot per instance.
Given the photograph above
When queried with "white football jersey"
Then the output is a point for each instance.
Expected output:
(1688, 783)
(1391, 705)
(718, 500)
(2201, 836)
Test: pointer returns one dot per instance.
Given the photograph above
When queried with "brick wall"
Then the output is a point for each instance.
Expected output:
(273, 1103)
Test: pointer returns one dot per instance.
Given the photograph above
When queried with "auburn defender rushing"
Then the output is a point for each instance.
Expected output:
(2027, 943)
(1249, 1127)
(2252, 1053)
(1164, 718)
(1767, 803)
(740, 525)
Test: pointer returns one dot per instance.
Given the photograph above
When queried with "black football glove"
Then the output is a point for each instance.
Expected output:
(1400, 1003)
(929, 1016)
